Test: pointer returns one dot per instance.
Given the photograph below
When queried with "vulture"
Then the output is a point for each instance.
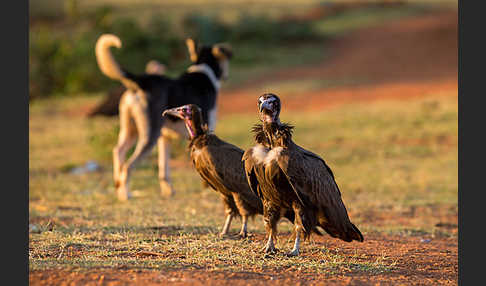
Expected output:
(287, 177)
(219, 165)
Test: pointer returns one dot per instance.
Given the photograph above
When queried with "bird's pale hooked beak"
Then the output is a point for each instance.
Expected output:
(177, 112)
(266, 105)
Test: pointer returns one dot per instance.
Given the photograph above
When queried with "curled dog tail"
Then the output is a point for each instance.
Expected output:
(108, 64)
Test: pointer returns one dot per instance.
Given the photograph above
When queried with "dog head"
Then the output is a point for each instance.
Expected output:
(216, 56)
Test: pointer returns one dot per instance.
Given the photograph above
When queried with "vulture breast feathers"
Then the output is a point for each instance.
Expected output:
(219, 164)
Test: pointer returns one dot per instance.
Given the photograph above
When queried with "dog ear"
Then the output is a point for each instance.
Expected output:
(191, 47)
(222, 51)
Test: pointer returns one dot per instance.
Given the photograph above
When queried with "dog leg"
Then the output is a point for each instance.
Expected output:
(126, 138)
(141, 150)
(119, 155)
(146, 140)
(164, 171)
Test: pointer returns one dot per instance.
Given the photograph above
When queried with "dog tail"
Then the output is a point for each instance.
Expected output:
(108, 64)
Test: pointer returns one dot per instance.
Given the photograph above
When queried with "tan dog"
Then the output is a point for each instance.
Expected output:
(148, 95)
(109, 105)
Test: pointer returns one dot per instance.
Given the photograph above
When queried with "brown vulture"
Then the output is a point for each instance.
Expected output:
(286, 176)
(219, 165)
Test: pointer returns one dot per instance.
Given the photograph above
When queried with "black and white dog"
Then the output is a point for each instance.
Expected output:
(148, 95)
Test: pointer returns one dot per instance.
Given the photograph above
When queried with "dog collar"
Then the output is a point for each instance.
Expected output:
(205, 69)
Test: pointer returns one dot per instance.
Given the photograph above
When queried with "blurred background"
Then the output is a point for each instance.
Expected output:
(371, 86)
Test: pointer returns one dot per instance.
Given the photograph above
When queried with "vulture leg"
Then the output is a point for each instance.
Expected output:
(227, 225)
(298, 229)
(230, 210)
(271, 216)
(244, 222)
(242, 208)
(270, 246)
(295, 250)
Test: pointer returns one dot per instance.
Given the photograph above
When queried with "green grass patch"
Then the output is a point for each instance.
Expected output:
(264, 38)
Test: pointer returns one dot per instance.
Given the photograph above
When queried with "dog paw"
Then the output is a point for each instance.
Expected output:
(166, 189)
(123, 194)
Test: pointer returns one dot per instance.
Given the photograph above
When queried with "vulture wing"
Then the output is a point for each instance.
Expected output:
(220, 165)
(254, 168)
(310, 177)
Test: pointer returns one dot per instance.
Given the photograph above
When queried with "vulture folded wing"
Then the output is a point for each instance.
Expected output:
(224, 164)
(206, 170)
(310, 177)
(251, 169)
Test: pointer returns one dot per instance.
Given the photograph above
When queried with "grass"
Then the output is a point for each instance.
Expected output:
(261, 42)
(364, 17)
(389, 158)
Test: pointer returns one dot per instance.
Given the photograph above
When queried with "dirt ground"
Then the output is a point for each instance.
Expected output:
(406, 58)
(416, 260)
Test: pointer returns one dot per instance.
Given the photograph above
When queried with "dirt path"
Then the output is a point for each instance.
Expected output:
(407, 58)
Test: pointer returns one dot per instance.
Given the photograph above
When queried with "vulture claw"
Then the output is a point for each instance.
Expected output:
(222, 235)
(270, 249)
(293, 253)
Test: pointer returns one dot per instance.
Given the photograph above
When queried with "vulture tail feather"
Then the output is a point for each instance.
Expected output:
(355, 234)
(349, 234)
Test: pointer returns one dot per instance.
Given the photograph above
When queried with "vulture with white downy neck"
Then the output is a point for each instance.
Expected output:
(219, 165)
(288, 177)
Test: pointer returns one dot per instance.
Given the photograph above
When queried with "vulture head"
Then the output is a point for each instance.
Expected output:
(269, 108)
(192, 116)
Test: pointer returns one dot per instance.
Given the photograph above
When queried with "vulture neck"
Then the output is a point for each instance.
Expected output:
(273, 134)
(195, 128)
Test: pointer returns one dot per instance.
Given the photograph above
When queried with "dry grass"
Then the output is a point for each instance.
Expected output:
(395, 162)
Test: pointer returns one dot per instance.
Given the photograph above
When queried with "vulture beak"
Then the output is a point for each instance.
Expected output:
(266, 110)
(265, 105)
(269, 108)
(177, 112)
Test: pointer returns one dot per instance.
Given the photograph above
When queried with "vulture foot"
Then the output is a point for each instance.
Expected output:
(243, 234)
(224, 235)
(270, 249)
(294, 252)
(271, 253)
